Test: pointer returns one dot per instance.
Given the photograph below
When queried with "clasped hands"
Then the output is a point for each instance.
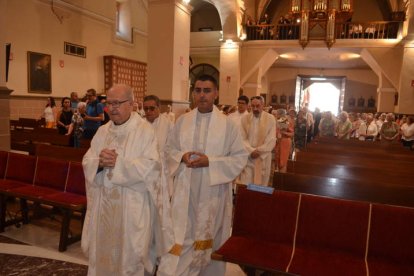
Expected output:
(254, 154)
(107, 158)
(193, 159)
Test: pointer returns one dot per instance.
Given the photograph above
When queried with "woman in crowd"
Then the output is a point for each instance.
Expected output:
(368, 129)
(64, 116)
(301, 131)
(327, 125)
(50, 112)
(407, 132)
(284, 134)
(390, 130)
(356, 122)
(76, 126)
(344, 127)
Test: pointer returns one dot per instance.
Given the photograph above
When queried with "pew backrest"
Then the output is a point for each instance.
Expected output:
(20, 167)
(51, 173)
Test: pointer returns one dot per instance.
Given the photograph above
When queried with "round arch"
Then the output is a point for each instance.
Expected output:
(202, 69)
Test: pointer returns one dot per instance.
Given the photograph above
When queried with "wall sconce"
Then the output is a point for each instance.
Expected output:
(186, 2)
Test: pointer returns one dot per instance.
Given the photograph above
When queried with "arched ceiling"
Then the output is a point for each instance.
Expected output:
(230, 12)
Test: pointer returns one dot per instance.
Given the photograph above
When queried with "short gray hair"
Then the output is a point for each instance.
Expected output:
(281, 112)
(126, 88)
(81, 105)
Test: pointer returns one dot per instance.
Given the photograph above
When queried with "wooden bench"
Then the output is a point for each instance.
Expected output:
(328, 158)
(362, 190)
(366, 149)
(60, 152)
(356, 171)
(46, 181)
(26, 123)
(26, 139)
(313, 235)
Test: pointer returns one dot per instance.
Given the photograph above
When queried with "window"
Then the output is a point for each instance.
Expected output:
(123, 28)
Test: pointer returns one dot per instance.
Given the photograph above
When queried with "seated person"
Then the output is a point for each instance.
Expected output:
(355, 31)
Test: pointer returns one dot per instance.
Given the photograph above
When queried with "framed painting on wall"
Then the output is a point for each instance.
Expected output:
(39, 73)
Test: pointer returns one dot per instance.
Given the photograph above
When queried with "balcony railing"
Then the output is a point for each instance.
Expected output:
(349, 30)
(270, 32)
(370, 30)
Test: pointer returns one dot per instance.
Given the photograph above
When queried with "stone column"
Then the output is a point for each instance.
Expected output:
(229, 73)
(169, 52)
(252, 89)
(386, 98)
(4, 91)
(406, 88)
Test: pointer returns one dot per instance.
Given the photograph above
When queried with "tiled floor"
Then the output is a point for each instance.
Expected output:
(43, 241)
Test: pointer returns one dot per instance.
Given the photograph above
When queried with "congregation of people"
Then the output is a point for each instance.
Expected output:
(160, 189)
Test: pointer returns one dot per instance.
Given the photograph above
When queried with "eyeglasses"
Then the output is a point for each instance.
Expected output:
(147, 108)
(198, 90)
(115, 104)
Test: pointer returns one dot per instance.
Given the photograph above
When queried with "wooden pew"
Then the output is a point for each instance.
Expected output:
(362, 150)
(356, 171)
(314, 235)
(46, 181)
(25, 140)
(328, 158)
(60, 152)
(363, 190)
(49, 136)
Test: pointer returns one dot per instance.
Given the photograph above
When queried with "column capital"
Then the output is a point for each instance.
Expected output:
(386, 90)
(5, 92)
(252, 85)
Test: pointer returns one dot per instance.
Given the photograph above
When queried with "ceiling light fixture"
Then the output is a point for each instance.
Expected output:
(318, 79)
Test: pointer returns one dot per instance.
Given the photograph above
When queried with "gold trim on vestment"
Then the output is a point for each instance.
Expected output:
(203, 245)
(176, 250)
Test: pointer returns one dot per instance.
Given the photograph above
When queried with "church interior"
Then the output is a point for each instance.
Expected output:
(287, 51)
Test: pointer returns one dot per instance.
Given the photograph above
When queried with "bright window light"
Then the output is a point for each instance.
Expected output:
(324, 96)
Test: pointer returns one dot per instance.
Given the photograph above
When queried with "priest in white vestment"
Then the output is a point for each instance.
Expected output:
(259, 135)
(205, 153)
(242, 104)
(162, 126)
(170, 115)
(121, 169)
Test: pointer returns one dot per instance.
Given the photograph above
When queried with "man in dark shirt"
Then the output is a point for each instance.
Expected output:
(93, 116)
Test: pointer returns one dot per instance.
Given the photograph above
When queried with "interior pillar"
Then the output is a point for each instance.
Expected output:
(229, 73)
(4, 91)
(251, 89)
(386, 99)
(406, 82)
(169, 51)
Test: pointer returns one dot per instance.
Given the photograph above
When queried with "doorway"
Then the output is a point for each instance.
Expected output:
(324, 93)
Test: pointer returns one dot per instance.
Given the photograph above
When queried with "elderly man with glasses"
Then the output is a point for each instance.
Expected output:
(122, 170)
(259, 135)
